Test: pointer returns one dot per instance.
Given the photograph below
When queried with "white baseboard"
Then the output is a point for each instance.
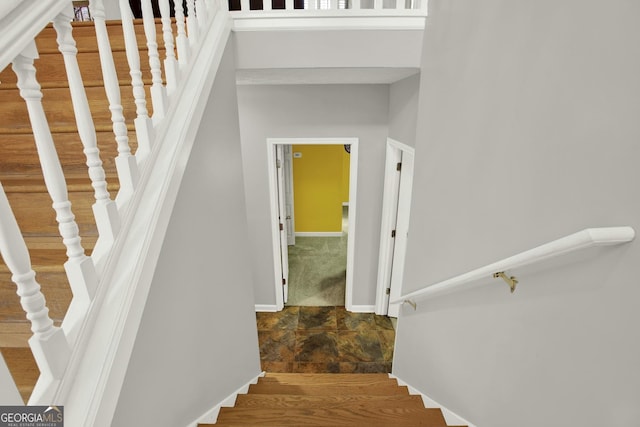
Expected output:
(266, 307)
(211, 416)
(319, 234)
(362, 308)
(451, 418)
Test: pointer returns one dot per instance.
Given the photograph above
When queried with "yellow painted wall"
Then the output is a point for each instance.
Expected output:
(318, 187)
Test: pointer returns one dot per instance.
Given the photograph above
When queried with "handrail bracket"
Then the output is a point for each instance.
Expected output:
(509, 280)
(411, 303)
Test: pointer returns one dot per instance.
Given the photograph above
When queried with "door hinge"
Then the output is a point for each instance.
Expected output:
(388, 291)
(399, 167)
(281, 227)
(284, 281)
(393, 233)
(278, 164)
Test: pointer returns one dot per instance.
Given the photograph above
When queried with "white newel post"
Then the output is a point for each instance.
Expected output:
(181, 40)
(104, 209)
(48, 343)
(125, 163)
(80, 268)
(192, 23)
(142, 122)
(170, 62)
(158, 93)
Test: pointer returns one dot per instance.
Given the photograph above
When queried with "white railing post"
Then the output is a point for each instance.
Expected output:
(355, 4)
(104, 209)
(170, 62)
(288, 4)
(181, 40)
(80, 268)
(377, 4)
(125, 162)
(158, 93)
(48, 343)
(192, 23)
(142, 122)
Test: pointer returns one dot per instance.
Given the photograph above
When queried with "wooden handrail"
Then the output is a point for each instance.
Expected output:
(581, 240)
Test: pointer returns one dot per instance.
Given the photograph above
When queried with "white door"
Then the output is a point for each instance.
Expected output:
(396, 202)
(284, 251)
(288, 194)
(401, 230)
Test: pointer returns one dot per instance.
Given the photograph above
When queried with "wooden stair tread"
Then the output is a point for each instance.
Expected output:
(331, 417)
(35, 184)
(320, 390)
(312, 401)
(327, 379)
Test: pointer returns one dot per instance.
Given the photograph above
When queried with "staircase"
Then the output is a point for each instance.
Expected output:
(22, 178)
(328, 400)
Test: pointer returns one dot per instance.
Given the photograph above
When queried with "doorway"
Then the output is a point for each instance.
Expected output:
(281, 218)
(396, 204)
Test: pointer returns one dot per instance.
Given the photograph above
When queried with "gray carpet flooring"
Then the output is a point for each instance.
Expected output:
(317, 271)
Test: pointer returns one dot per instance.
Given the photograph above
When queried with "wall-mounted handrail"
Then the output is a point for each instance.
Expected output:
(581, 240)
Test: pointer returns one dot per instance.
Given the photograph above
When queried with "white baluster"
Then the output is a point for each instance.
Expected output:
(143, 125)
(105, 210)
(377, 4)
(400, 4)
(355, 4)
(203, 19)
(170, 62)
(158, 93)
(192, 23)
(181, 39)
(80, 268)
(125, 162)
(288, 4)
(48, 343)
(245, 5)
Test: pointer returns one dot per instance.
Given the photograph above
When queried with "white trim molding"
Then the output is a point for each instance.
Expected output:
(211, 416)
(266, 308)
(275, 229)
(319, 233)
(450, 417)
(362, 308)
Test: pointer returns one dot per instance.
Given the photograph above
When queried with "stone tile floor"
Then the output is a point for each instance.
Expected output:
(324, 339)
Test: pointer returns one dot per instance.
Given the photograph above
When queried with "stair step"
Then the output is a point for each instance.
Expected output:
(85, 36)
(59, 109)
(330, 417)
(345, 402)
(23, 368)
(328, 379)
(35, 215)
(331, 390)
(20, 157)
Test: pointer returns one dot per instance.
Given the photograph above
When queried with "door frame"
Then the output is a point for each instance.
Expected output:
(275, 224)
(395, 213)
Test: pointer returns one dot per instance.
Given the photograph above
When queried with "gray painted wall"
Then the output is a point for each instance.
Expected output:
(403, 109)
(314, 111)
(197, 341)
(528, 131)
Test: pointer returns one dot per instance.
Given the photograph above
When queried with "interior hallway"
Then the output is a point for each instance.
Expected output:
(325, 339)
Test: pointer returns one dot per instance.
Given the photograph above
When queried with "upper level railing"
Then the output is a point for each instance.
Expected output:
(502, 269)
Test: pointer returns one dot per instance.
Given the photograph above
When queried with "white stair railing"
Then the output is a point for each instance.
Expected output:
(142, 123)
(170, 62)
(48, 343)
(181, 40)
(158, 92)
(105, 210)
(80, 268)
